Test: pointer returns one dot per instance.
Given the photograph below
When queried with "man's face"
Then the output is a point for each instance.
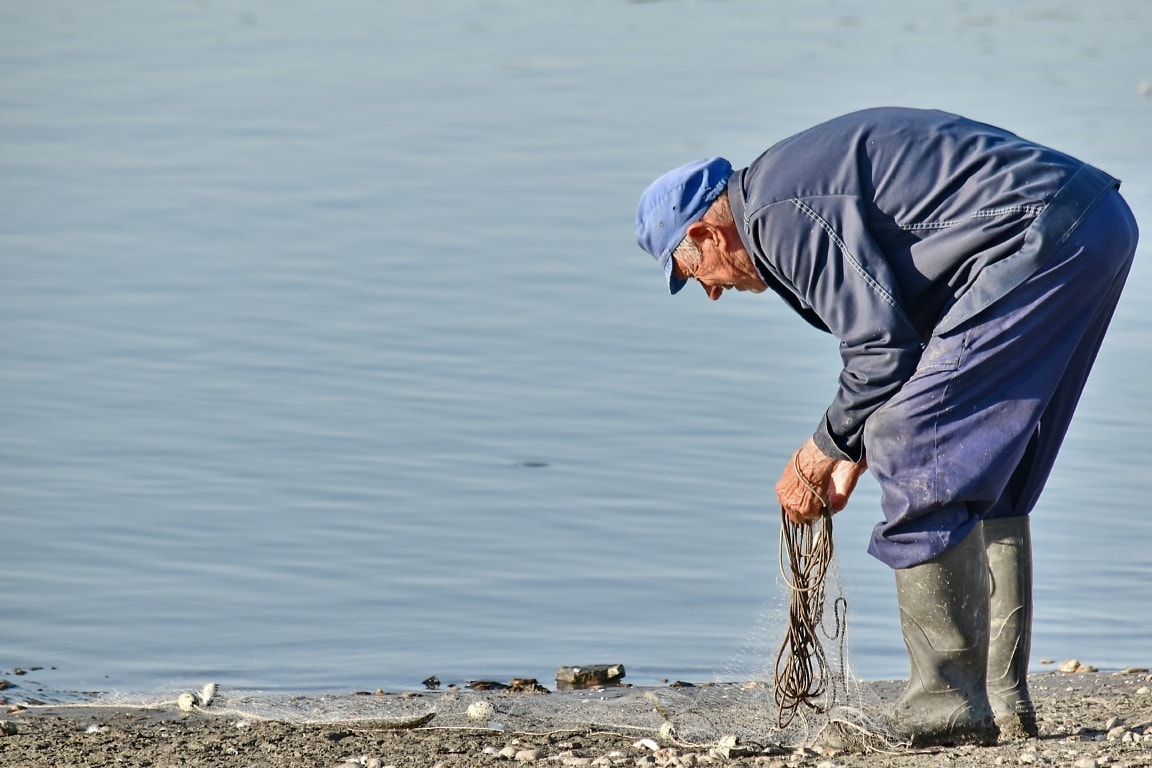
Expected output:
(721, 271)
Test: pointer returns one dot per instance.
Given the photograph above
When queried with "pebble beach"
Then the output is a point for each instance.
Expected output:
(1087, 719)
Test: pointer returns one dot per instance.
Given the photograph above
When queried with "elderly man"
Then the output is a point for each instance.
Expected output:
(970, 276)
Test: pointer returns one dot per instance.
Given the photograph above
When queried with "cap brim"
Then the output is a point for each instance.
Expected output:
(674, 283)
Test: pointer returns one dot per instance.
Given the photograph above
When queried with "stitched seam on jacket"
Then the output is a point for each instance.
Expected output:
(852, 260)
(1031, 210)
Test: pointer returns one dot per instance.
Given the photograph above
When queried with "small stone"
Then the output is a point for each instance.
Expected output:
(733, 752)
(1113, 723)
(647, 744)
(527, 755)
(1027, 757)
(1117, 732)
(1070, 666)
(507, 753)
(576, 761)
(1143, 691)
(8, 728)
(481, 711)
(207, 694)
(1086, 762)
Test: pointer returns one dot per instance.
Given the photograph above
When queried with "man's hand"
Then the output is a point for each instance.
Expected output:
(812, 479)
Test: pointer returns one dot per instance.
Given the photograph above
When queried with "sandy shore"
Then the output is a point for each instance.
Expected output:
(1087, 720)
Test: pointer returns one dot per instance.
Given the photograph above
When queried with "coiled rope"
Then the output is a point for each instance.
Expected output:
(803, 675)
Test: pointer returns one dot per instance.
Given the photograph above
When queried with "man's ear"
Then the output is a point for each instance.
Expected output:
(700, 232)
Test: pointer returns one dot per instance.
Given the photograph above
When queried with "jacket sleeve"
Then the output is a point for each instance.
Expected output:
(820, 248)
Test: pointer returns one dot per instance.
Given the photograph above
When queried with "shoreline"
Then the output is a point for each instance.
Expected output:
(1088, 719)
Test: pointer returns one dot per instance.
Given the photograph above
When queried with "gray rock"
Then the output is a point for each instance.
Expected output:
(590, 676)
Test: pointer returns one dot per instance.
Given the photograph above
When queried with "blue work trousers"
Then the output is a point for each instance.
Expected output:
(973, 434)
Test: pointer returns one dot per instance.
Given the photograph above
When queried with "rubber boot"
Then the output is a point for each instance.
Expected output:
(944, 618)
(1008, 543)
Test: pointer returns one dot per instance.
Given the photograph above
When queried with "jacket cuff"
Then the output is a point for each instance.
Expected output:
(830, 445)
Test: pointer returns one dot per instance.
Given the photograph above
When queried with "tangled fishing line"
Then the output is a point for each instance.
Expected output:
(804, 677)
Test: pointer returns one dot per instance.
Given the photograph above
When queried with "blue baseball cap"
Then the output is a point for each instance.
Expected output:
(672, 203)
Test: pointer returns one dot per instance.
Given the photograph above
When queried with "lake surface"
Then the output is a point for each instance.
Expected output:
(328, 360)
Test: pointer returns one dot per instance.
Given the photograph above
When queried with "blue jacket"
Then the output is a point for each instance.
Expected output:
(888, 226)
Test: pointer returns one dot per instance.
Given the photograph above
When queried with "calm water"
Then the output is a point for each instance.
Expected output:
(329, 360)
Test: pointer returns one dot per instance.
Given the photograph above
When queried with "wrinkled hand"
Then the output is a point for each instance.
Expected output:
(822, 480)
